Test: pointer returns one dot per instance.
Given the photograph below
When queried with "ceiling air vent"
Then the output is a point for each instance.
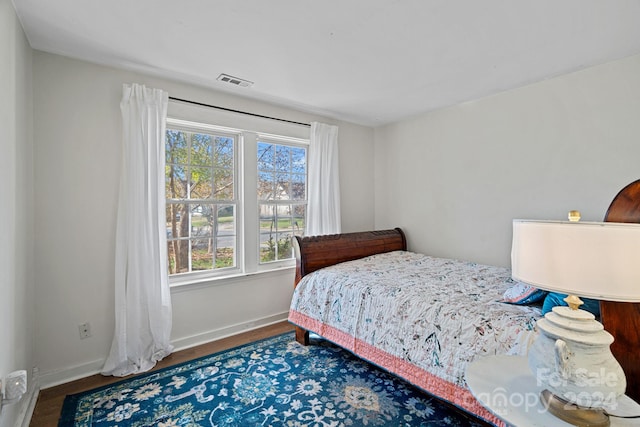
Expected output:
(234, 80)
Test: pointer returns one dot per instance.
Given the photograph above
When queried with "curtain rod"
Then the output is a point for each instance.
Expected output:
(238, 111)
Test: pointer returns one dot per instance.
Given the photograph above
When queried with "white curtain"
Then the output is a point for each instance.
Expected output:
(323, 211)
(142, 297)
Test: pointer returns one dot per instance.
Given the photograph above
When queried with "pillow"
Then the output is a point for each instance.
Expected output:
(555, 299)
(521, 294)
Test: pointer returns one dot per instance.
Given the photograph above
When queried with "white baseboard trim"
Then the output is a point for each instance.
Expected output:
(28, 405)
(203, 338)
(62, 376)
(72, 373)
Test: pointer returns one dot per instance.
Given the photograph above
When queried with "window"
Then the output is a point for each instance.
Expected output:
(201, 201)
(235, 199)
(282, 194)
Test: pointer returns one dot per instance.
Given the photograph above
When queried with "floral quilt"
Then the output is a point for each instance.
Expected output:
(420, 317)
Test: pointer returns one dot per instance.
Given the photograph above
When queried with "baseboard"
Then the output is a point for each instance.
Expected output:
(62, 376)
(195, 340)
(72, 373)
(28, 405)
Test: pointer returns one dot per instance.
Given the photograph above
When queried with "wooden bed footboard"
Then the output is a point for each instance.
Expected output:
(315, 252)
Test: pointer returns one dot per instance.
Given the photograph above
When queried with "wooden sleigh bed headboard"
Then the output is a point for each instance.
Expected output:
(622, 320)
(315, 252)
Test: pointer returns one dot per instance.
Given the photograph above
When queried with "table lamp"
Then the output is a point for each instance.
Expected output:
(570, 355)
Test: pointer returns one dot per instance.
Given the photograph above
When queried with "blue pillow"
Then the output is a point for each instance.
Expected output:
(554, 299)
(521, 294)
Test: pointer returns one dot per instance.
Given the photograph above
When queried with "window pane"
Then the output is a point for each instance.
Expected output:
(175, 182)
(266, 153)
(299, 216)
(267, 218)
(223, 155)
(223, 182)
(178, 251)
(225, 256)
(285, 250)
(283, 186)
(267, 249)
(266, 185)
(298, 186)
(268, 246)
(283, 158)
(267, 233)
(201, 148)
(176, 147)
(217, 222)
(283, 213)
(298, 160)
(226, 220)
(225, 237)
(201, 254)
(278, 223)
(285, 225)
(201, 183)
(177, 220)
(201, 221)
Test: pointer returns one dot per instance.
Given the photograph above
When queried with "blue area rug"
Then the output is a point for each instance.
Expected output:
(273, 382)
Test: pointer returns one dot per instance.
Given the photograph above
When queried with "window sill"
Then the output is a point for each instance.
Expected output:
(205, 282)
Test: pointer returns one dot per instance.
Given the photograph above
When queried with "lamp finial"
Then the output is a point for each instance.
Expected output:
(573, 301)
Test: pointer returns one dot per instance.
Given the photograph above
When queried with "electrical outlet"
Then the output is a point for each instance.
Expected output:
(85, 330)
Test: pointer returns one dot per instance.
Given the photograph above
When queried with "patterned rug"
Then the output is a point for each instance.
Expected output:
(273, 382)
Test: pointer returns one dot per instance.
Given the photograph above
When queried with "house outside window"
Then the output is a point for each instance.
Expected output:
(234, 200)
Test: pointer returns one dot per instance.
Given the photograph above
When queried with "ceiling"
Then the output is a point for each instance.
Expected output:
(366, 61)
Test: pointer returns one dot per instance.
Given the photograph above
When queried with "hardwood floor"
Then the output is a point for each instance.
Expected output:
(49, 404)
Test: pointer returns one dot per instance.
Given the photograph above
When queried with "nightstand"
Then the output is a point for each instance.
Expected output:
(506, 387)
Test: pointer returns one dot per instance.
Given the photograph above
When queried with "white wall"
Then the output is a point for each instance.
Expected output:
(455, 178)
(77, 136)
(16, 206)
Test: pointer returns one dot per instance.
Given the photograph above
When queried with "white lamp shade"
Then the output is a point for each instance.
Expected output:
(598, 260)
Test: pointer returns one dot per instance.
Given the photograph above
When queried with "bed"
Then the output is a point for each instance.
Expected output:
(366, 293)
